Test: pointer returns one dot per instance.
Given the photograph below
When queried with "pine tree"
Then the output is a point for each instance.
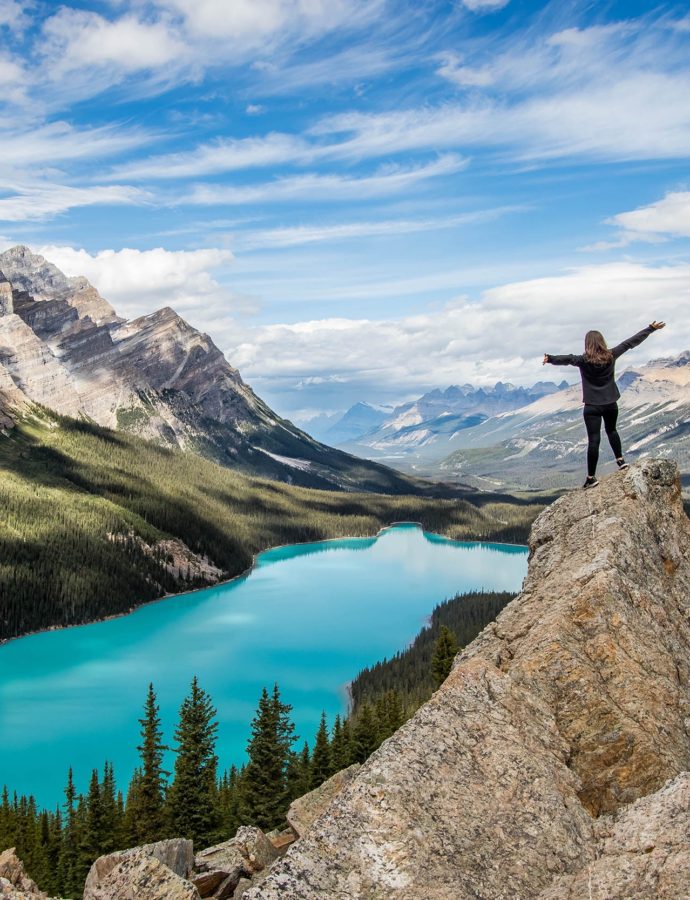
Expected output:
(445, 651)
(109, 812)
(321, 767)
(149, 818)
(192, 800)
(229, 801)
(348, 745)
(340, 754)
(91, 841)
(389, 714)
(6, 820)
(365, 736)
(130, 828)
(67, 863)
(265, 794)
(298, 773)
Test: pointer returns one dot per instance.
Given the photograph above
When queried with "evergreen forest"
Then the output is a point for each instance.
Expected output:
(198, 800)
(94, 522)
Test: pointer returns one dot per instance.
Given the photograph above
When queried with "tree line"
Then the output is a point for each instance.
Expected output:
(197, 801)
(194, 801)
(84, 512)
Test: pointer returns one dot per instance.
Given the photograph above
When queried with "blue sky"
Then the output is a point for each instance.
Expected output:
(359, 200)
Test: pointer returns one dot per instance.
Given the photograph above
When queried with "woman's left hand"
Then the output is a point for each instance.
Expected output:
(546, 359)
(657, 325)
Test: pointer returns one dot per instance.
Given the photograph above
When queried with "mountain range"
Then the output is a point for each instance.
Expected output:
(515, 438)
(426, 424)
(538, 444)
(63, 346)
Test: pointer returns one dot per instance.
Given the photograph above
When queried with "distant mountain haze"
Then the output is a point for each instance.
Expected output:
(545, 441)
(63, 346)
(426, 424)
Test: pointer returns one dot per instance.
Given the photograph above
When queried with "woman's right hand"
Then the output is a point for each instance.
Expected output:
(657, 325)
(546, 359)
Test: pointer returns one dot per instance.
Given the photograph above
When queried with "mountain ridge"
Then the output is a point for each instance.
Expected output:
(537, 445)
(418, 423)
(63, 346)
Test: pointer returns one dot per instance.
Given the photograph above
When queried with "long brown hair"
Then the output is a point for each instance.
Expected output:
(596, 350)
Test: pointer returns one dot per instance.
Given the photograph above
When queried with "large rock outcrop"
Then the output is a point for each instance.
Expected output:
(15, 884)
(515, 780)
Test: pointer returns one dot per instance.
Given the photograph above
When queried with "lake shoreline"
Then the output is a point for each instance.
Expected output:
(244, 574)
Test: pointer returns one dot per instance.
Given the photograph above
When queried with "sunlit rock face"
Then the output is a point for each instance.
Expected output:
(62, 345)
(520, 777)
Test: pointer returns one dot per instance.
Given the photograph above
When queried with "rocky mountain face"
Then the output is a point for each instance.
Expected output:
(424, 427)
(62, 345)
(553, 762)
(356, 421)
(536, 445)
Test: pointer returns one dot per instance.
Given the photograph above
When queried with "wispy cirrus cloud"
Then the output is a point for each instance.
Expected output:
(57, 142)
(43, 201)
(294, 236)
(481, 6)
(221, 155)
(620, 91)
(318, 188)
(253, 22)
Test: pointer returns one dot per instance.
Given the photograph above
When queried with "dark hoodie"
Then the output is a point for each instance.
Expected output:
(598, 381)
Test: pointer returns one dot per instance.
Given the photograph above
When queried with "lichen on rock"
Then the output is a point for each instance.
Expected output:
(516, 779)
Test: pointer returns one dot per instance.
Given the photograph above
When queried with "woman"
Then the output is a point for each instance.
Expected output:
(600, 391)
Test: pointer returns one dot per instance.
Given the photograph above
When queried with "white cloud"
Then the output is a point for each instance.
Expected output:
(619, 91)
(322, 188)
(139, 281)
(310, 234)
(220, 156)
(57, 142)
(79, 39)
(644, 116)
(484, 5)
(252, 22)
(13, 15)
(500, 337)
(669, 217)
(44, 201)
(452, 69)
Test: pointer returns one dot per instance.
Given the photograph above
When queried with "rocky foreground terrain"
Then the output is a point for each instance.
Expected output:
(553, 763)
(63, 346)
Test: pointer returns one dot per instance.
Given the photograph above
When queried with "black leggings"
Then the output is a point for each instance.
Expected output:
(593, 416)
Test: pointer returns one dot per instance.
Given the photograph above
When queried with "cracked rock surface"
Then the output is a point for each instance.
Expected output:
(550, 763)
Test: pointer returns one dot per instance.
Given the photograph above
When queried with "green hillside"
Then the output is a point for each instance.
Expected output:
(87, 516)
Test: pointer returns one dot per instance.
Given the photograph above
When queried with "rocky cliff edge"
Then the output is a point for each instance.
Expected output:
(553, 761)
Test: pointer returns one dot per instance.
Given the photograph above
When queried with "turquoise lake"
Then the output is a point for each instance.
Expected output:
(308, 616)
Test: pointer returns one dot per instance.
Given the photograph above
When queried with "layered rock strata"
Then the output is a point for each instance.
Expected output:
(63, 346)
(515, 780)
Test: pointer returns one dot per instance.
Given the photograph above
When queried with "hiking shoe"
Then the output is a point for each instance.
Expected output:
(622, 464)
(591, 481)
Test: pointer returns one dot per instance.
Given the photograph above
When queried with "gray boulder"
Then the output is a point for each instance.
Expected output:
(175, 854)
(138, 876)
